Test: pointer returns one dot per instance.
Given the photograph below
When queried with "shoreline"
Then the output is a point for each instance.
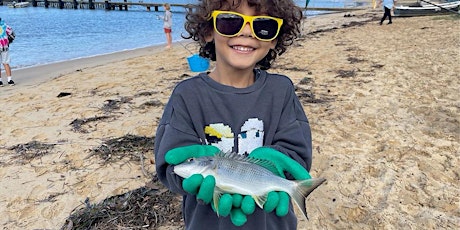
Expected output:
(38, 74)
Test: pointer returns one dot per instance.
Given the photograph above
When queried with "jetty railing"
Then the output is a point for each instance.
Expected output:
(94, 4)
(124, 5)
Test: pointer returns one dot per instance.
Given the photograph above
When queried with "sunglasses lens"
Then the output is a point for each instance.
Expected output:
(265, 28)
(229, 24)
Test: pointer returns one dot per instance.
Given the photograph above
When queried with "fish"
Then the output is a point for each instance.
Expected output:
(238, 174)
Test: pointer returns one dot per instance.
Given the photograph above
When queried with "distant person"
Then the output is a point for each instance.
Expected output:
(5, 30)
(167, 24)
(387, 6)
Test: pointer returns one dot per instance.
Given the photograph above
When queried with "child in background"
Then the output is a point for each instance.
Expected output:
(237, 107)
(5, 30)
(167, 24)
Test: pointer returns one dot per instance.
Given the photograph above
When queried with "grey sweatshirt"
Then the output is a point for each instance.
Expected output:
(202, 111)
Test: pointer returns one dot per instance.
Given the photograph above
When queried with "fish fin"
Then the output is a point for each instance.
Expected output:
(216, 198)
(264, 163)
(303, 188)
(242, 158)
(260, 200)
(231, 155)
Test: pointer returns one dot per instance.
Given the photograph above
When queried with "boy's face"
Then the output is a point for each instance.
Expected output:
(242, 51)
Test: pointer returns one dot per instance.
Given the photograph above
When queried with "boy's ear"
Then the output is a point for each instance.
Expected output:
(209, 37)
(273, 44)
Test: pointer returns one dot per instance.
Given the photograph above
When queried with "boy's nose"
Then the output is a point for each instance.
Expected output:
(246, 31)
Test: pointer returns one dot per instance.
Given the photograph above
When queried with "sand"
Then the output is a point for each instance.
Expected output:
(383, 104)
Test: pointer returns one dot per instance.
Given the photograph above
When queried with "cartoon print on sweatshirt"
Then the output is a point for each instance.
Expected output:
(221, 136)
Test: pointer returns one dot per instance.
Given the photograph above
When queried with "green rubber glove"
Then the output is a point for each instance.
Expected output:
(228, 202)
(245, 203)
(282, 162)
(180, 154)
(237, 217)
(203, 188)
(279, 201)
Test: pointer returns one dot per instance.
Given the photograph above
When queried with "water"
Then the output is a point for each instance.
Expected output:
(47, 35)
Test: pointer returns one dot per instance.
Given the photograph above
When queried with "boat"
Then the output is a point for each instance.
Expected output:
(18, 4)
(427, 9)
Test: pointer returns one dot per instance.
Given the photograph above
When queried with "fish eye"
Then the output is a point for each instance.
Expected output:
(190, 159)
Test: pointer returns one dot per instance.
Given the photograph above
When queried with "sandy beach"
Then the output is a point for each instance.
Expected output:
(383, 104)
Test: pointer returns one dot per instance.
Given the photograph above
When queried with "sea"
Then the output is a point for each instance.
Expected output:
(48, 35)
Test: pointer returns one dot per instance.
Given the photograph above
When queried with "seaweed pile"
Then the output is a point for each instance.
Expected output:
(24, 153)
(148, 207)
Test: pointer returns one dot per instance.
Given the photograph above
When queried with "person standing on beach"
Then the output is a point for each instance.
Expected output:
(167, 24)
(387, 7)
(5, 30)
(237, 107)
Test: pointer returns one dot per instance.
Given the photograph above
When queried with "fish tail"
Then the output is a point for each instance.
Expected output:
(303, 188)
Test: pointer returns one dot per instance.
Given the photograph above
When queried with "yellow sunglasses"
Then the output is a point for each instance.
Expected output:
(230, 24)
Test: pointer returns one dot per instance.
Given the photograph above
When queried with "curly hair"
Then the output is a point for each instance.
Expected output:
(199, 26)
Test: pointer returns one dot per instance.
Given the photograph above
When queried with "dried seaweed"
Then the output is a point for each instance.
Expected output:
(346, 73)
(353, 60)
(377, 66)
(305, 81)
(132, 146)
(153, 103)
(32, 150)
(112, 105)
(351, 24)
(78, 123)
(292, 68)
(144, 94)
(148, 207)
(306, 95)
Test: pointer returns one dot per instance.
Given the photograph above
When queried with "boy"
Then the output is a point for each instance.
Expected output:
(237, 107)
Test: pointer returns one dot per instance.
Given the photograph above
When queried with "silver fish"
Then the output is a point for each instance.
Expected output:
(247, 176)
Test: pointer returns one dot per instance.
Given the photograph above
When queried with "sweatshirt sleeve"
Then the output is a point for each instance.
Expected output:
(173, 131)
(293, 135)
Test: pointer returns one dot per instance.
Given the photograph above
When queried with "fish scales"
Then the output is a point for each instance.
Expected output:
(240, 176)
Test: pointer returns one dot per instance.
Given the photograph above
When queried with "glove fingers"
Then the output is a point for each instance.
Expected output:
(225, 205)
(192, 184)
(248, 205)
(272, 201)
(206, 190)
(237, 199)
(282, 162)
(180, 154)
(237, 217)
(295, 169)
(283, 206)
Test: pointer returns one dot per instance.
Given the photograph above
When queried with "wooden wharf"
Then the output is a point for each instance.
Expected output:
(124, 5)
(94, 4)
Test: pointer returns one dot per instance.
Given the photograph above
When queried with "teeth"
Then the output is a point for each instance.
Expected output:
(243, 48)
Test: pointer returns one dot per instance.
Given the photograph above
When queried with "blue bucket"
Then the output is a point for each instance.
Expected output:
(197, 63)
